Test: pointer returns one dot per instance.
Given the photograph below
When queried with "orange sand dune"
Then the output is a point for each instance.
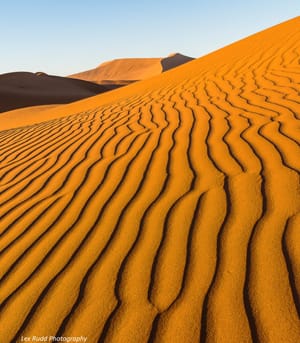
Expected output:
(22, 89)
(126, 70)
(165, 211)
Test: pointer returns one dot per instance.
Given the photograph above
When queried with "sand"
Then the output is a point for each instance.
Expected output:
(164, 211)
(24, 89)
(124, 71)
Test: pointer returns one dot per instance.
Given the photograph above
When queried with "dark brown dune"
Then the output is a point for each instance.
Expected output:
(23, 89)
(127, 70)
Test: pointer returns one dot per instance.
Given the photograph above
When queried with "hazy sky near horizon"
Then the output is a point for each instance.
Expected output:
(66, 36)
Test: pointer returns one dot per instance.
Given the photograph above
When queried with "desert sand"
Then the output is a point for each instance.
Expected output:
(21, 89)
(124, 71)
(24, 89)
(163, 211)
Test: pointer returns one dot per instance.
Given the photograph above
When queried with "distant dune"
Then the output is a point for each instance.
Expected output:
(167, 211)
(127, 70)
(22, 89)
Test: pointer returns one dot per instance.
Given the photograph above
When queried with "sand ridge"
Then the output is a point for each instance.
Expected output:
(165, 211)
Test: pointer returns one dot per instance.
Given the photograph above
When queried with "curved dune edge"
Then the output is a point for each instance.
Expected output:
(166, 211)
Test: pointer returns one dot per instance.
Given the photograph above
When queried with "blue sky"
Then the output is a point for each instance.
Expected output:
(67, 36)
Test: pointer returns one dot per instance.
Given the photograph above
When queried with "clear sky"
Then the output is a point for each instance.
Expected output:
(67, 36)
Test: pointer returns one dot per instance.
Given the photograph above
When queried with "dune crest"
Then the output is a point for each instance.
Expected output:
(165, 211)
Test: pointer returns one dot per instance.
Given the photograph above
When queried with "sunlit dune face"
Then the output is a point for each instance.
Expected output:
(128, 70)
(165, 211)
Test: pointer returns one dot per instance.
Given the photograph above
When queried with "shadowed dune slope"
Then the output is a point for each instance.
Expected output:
(22, 89)
(165, 211)
(127, 70)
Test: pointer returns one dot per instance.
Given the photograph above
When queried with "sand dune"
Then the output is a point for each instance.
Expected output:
(22, 89)
(127, 70)
(165, 211)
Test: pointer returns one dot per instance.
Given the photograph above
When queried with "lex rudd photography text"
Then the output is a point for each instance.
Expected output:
(53, 339)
